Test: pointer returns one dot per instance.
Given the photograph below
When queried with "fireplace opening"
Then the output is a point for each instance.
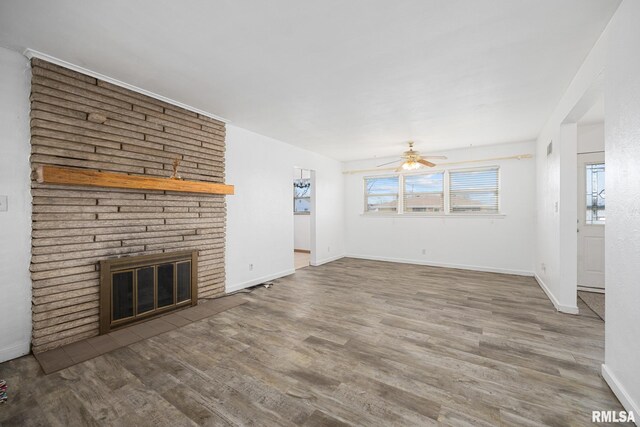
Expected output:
(136, 288)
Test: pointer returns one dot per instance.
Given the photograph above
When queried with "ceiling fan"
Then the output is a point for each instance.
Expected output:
(413, 160)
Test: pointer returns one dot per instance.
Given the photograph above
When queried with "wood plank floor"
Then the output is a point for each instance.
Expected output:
(351, 342)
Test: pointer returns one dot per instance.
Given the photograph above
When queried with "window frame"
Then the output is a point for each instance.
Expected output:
(366, 195)
(446, 212)
(587, 222)
(498, 190)
(444, 191)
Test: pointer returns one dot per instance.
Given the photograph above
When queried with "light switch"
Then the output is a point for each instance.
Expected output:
(3, 204)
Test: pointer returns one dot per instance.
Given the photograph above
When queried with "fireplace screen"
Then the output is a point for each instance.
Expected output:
(136, 288)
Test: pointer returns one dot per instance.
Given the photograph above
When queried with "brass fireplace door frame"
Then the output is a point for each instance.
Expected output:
(110, 266)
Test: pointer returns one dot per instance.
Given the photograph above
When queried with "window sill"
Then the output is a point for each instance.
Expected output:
(302, 213)
(417, 215)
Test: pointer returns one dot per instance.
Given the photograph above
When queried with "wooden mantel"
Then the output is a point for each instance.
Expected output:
(72, 176)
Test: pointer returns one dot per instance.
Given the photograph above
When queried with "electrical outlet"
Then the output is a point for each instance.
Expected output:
(3, 204)
(328, 248)
(424, 252)
(250, 267)
(556, 207)
(543, 267)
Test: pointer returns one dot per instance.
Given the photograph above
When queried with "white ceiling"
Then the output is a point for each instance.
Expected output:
(349, 79)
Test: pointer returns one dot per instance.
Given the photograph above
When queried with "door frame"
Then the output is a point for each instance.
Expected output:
(312, 218)
(587, 158)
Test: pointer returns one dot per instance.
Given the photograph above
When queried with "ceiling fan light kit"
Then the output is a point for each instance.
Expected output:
(412, 160)
(410, 165)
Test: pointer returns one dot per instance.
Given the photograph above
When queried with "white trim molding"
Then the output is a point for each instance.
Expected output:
(30, 53)
(444, 265)
(620, 392)
(561, 308)
(590, 289)
(238, 286)
(326, 260)
(429, 215)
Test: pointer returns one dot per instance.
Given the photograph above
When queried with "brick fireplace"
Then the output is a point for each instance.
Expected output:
(82, 122)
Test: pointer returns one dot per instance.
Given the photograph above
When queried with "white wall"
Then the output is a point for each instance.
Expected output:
(590, 137)
(622, 232)
(15, 224)
(259, 215)
(556, 175)
(615, 57)
(302, 232)
(495, 243)
(567, 150)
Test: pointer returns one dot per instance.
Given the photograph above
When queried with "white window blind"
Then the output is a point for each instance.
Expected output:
(474, 191)
(424, 193)
(381, 194)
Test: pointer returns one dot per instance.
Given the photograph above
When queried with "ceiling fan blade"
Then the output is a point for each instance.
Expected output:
(399, 169)
(434, 157)
(385, 164)
(426, 163)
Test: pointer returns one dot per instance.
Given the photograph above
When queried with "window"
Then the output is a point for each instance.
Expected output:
(381, 194)
(302, 196)
(424, 193)
(466, 192)
(473, 191)
(595, 212)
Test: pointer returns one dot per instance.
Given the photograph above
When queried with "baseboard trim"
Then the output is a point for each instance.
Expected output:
(589, 289)
(239, 286)
(620, 392)
(326, 260)
(445, 265)
(559, 307)
(15, 351)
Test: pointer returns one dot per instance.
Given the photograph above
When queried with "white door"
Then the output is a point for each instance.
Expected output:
(591, 217)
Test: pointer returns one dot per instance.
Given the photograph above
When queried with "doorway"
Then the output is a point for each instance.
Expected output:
(302, 216)
(591, 213)
(591, 219)
(591, 223)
